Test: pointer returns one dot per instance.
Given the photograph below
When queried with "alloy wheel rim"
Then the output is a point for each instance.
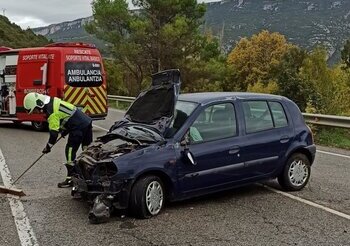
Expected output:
(154, 197)
(298, 172)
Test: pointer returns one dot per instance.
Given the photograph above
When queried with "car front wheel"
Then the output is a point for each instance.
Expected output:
(147, 197)
(296, 173)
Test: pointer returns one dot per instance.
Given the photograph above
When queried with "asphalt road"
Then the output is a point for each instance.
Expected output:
(252, 215)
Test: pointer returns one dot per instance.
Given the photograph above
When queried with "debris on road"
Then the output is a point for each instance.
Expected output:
(12, 191)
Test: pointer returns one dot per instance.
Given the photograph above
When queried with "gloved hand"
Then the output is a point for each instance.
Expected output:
(64, 133)
(47, 149)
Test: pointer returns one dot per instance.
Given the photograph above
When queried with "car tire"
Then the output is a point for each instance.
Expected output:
(39, 126)
(147, 197)
(296, 173)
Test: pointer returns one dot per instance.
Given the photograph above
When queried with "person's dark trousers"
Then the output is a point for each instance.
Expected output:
(76, 138)
(87, 137)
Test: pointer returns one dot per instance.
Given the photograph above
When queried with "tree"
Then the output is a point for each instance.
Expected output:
(345, 54)
(159, 35)
(317, 75)
(252, 60)
(208, 71)
(289, 81)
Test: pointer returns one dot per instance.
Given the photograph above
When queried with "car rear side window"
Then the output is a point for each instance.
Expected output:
(215, 122)
(279, 116)
(257, 116)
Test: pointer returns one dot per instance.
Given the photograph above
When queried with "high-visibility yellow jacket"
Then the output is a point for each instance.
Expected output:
(64, 116)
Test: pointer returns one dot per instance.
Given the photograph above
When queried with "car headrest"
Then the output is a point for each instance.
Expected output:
(221, 115)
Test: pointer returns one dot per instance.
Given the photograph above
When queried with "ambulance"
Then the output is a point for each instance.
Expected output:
(71, 71)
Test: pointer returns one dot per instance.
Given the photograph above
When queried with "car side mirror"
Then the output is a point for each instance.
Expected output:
(189, 157)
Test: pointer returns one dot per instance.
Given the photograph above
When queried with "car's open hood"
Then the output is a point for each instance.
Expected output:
(155, 107)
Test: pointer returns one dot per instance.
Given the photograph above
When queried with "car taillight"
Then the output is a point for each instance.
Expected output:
(60, 93)
(312, 135)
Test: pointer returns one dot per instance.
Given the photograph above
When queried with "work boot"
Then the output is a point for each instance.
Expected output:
(68, 182)
(65, 184)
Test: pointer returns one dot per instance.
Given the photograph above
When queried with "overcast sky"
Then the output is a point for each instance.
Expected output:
(37, 13)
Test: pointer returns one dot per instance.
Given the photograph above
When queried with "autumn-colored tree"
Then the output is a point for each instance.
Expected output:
(340, 103)
(252, 60)
(315, 72)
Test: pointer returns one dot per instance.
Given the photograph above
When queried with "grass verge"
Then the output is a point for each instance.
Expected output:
(118, 105)
(332, 137)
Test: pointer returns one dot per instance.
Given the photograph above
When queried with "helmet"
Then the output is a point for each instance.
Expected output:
(33, 100)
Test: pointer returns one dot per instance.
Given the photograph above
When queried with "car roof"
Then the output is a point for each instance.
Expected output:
(207, 97)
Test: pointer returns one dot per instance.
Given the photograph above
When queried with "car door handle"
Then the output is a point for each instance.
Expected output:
(284, 139)
(194, 175)
(234, 150)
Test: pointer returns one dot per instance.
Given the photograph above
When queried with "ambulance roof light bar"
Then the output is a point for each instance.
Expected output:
(72, 44)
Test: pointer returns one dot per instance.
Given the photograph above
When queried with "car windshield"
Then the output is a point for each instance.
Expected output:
(183, 110)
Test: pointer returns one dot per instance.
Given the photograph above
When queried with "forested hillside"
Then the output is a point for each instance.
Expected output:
(13, 36)
(305, 23)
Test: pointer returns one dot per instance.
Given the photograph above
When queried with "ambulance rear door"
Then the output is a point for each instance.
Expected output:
(85, 84)
(33, 75)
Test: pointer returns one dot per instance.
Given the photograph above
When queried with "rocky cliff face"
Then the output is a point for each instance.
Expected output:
(307, 23)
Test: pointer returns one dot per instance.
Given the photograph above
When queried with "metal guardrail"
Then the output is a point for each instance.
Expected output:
(317, 119)
(327, 120)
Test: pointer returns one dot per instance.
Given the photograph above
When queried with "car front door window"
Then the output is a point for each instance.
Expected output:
(213, 123)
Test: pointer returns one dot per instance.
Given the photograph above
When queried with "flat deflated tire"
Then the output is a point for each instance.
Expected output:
(147, 197)
(296, 173)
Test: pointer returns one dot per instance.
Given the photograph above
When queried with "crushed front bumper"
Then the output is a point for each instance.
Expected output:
(118, 191)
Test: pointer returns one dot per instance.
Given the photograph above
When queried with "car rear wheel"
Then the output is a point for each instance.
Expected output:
(296, 173)
(39, 125)
(147, 197)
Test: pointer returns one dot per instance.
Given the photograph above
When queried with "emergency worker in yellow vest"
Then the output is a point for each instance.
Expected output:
(63, 118)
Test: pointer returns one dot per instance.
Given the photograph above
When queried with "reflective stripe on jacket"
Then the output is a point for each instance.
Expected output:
(62, 111)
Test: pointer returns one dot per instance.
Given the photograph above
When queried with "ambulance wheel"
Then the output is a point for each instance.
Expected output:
(39, 125)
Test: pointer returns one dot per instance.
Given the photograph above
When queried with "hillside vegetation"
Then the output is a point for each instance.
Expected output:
(305, 23)
(13, 36)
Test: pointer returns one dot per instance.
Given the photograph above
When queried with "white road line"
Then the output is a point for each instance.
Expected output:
(100, 127)
(329, 210)
(25, 232)
(330, 153)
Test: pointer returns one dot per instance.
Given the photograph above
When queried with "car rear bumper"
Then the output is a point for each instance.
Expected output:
(312, 150)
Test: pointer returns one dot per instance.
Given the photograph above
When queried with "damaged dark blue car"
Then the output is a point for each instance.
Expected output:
(172, 147)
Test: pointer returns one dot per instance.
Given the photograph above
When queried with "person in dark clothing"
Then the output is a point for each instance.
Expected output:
(64, 118)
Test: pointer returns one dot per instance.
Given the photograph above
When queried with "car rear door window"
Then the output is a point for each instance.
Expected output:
(278, 114)
(215, 122)
(257, 116)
